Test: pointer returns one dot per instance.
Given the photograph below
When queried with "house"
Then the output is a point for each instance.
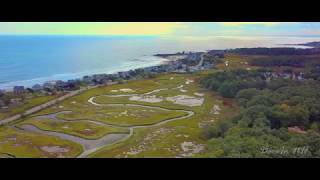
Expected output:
(17, 90)
(88, 79)
(124, 74)
(60, 85)
(71, 85)
(300, 77)
(296, 129)
(1, 92)
(37, 87)
(49, 85)
(99, 79)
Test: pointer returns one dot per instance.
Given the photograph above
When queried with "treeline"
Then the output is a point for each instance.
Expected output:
(275, 51)
(267, 112)
(292, 61)
(228, 83)
(314, 73)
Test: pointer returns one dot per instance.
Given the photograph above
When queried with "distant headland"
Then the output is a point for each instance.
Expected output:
(314, 44)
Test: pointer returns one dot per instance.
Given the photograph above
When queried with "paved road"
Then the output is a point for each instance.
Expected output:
(201, 61)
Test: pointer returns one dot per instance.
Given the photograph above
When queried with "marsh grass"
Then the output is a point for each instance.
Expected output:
(26, 144)
(159, 141)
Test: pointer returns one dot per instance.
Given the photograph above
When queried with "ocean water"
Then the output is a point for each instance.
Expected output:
(27, 60)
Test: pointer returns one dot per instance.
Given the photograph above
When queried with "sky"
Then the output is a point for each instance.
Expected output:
(192, 29)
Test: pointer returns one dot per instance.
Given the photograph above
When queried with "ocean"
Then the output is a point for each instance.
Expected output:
(27, 60)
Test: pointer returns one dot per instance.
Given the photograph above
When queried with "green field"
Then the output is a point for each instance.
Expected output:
(166, 140)
(182, 137)
(19, 143)
(123, 116)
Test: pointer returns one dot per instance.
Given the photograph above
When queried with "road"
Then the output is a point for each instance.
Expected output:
(201, 61)
(43, 106)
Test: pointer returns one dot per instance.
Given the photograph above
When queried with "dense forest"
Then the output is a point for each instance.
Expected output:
(292, 61)
(275, 51)
(277, 118)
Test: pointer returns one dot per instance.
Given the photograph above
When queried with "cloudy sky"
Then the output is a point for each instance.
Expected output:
(163, 28)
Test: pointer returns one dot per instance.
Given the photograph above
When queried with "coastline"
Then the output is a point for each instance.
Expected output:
(165, 62)
(16, 78)
(152, 60)
(176, 63)
(147, 63)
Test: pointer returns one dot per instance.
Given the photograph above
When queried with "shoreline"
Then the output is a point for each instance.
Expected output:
(171, 63)
(165, 62)
(28, 83)
(164, 59)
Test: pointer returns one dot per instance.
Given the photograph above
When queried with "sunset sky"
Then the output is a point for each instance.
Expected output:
(162, 28)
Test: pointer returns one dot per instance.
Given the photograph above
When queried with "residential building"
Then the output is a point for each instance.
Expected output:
(37, 87)
(17, 90)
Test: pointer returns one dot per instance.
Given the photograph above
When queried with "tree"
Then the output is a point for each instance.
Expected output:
(229, 89)
(219, 129)
(267, 109)
(245, 95)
